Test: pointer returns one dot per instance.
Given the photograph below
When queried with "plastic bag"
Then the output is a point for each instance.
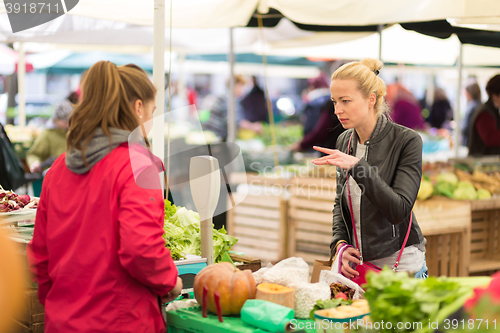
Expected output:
(266, 315)
(290, 271)
(306, 295)
(257, 276)
(330, 277)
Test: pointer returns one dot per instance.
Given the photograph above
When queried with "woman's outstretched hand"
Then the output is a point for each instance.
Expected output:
(335, 157)
(350, 255)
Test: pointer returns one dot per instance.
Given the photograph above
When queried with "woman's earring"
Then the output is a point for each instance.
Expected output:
(140, 117)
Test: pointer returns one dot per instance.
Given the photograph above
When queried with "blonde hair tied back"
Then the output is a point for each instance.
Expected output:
(365, 73)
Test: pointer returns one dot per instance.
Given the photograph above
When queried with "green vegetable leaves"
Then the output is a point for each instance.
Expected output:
(328, 304)
(182, 234)
(398, 298)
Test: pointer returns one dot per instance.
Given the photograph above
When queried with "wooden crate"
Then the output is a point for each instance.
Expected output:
(446, 226)
(23, 328)
(485, 249)
(33, 311)
(310, 217)
(246, 262)
(259, 224)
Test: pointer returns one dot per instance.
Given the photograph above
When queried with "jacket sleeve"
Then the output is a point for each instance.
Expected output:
(40, 149)
(36, 250)
(394, 202)
(142, 249)
(488, 131)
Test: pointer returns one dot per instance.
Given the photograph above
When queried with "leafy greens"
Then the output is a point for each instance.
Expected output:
(182, 234)
(398, 298)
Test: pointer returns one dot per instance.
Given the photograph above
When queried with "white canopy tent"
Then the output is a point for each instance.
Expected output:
(223, 13)
(237, 13)
(95, 33)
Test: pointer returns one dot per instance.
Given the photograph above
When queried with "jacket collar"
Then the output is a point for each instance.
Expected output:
(382, 127)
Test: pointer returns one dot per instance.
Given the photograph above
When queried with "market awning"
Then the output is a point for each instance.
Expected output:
(237, 13)
(8, 61)
(443, 29)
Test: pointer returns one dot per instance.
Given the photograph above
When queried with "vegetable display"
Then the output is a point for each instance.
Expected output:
(285, 135)
(276, 293)
(10, 201)
(182, 234)
(455, 183)
(328, 304)
(232, 285)
(340, 291)
(398, 298)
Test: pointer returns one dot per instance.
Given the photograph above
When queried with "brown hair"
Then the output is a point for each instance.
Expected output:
(493, 86)
(238, 79)
(365, 73)
(474, 91)
(108, 92)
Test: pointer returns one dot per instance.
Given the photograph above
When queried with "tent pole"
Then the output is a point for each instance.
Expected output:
(380, 28)
(159, 78)
(457, 115)
(231, 116)
(21, 71)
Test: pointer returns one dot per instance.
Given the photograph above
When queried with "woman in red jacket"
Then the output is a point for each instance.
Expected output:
(97, 252)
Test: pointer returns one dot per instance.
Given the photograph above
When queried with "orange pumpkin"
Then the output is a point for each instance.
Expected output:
(234, 287)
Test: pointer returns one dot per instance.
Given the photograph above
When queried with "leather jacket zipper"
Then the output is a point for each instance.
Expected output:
(393, 231)
(342, 212)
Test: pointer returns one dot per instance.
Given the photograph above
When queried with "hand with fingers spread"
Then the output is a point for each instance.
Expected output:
(350, 255)
(335, 157)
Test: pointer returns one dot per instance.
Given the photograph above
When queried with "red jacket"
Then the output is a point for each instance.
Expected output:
(97, 252)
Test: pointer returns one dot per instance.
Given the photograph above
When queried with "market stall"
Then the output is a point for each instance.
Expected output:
(461, 234)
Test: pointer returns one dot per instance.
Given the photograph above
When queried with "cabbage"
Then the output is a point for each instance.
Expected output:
(483, 194)
(182, 234)
(425, 191)
(447, 177)
(466, 185)
(444, 188)
(465, 193)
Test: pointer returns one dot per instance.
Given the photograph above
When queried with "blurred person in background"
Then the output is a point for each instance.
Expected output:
(473, 95)
(405, 109)
(318, 94)
(484, 130)
(254, 104)
(218, 120)
(324, 133)
(441, 111)
(52, 140)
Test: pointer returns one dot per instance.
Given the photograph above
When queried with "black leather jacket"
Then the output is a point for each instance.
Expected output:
(389, 177)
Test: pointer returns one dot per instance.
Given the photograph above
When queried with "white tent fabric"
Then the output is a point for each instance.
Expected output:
(94, 33)
(398, 46)
(234, 13)
(7, 60)
(368, 12)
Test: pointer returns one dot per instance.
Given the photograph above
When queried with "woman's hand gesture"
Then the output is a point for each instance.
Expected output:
(335, 157)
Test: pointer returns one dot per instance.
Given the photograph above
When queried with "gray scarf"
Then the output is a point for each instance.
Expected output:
(98, 147)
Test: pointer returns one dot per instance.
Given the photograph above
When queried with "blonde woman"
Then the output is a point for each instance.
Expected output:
(379, 167)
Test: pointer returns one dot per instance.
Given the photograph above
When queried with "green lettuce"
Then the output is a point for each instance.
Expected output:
(182, 234)
(398, 298)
